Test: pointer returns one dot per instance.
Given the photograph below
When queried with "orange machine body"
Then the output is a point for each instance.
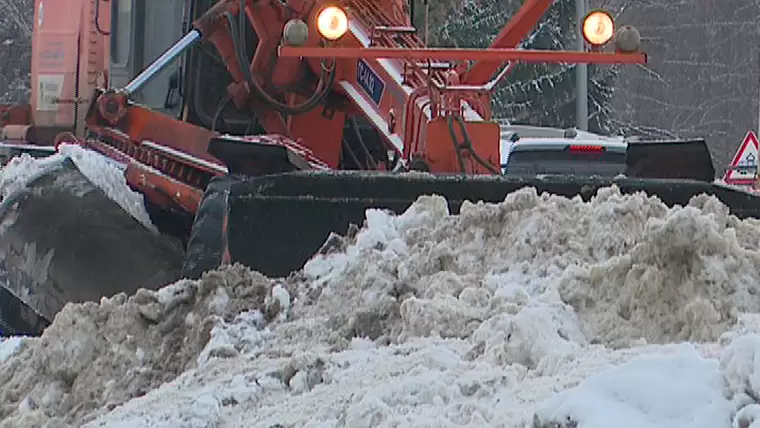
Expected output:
(385, 73)
(69, 61)
(435, 115)
(401, 98)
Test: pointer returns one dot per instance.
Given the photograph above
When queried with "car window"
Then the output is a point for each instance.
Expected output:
(565, 162)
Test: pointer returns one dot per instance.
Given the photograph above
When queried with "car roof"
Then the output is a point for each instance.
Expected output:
(529, 131)
(531, 138)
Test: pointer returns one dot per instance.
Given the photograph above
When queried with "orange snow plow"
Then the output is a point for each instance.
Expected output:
(294, 118)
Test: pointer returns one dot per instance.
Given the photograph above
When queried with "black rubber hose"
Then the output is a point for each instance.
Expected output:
(327, 77)
(222, 105)
(206, 119)
(355, 127)
(466, 144)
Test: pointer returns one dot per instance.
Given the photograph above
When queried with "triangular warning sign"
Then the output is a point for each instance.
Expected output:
(743, 167)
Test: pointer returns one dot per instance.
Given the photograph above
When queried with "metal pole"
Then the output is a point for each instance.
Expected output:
(581, 76)
(165, 59)
(427, 21)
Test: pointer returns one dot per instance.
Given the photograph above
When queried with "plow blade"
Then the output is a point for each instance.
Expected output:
(275, 223)
(63, 240)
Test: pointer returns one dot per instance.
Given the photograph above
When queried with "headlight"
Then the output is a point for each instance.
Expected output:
(627, 39)
(295, 32)
(332, 23)
(598, 27)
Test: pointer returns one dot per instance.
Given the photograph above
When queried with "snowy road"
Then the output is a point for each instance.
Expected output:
(536, 312)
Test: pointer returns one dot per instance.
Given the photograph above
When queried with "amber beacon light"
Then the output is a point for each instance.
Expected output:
(598, 27)
(332, 23)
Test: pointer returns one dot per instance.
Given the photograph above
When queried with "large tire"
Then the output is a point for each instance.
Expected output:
(205, 247)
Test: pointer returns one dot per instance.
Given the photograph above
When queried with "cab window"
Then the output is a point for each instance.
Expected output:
(122, 29)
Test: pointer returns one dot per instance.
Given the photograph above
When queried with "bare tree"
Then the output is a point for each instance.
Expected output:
(702, 75)
(19, 13)
(15, 50)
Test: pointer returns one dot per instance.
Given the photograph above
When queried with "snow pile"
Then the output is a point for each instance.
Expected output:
(679, 389)
(102, 354)
(682, 390)
(540, 312)
(627, 266)
(9, 346)
(101, 171)
(20, 170)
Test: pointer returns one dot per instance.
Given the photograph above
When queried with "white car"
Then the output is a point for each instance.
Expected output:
(528, 150)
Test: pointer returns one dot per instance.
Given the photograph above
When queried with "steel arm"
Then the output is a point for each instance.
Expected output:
(273, 89)
(216, 25)
(312, 106)
(510, 36)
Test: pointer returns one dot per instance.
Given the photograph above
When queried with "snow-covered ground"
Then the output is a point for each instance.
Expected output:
(538, 312)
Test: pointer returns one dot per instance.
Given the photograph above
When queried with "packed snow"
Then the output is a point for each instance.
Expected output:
(101, 171)
(539, 312)
(9, 346)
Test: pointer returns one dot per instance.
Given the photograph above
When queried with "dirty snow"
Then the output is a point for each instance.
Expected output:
(539, 312)
(101, 171)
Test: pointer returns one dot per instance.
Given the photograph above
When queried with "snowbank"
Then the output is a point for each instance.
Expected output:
(540, 311)
(682, 390)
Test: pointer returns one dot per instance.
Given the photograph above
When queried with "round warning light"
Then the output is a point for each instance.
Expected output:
(295, 32)
(627, 39)
(598, 27)
(332, 23)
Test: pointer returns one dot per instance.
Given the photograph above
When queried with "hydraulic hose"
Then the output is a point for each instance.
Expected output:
(466, 144)
(326, 78)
